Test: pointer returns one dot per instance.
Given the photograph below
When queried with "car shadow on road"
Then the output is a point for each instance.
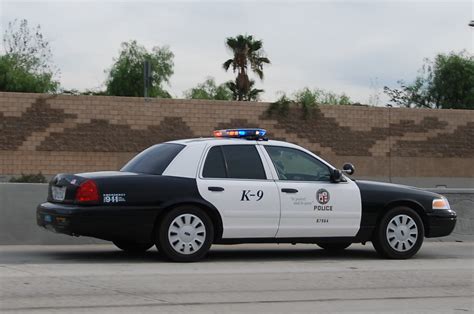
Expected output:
(83, 254)
(284, 254)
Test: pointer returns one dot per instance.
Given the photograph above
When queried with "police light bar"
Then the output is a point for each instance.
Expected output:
(241, 133)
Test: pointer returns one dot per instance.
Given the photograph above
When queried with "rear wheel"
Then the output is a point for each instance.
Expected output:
(399, 234)
(185, 234)
(333, 247)
(133, 247)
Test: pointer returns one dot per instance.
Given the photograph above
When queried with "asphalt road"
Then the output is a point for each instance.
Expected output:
(240, 278)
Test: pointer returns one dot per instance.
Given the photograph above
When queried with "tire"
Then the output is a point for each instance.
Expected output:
(399, 234)
(185, 234)
(133, 247)
(334, 247)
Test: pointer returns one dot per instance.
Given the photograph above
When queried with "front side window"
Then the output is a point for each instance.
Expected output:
(234, 161)
(295, 165)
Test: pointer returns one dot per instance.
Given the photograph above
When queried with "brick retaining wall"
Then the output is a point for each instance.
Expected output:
(61, 133)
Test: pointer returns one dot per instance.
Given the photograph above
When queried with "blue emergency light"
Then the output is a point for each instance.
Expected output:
(241, 133)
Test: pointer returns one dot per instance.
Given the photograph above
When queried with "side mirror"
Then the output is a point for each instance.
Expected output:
(348, 169)
(336, 176)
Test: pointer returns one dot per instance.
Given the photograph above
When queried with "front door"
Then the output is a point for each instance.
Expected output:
(311, 205)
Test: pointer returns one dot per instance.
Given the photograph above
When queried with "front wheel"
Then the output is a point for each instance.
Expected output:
(399, 234)
(133, 247)
(334, 247)
(185, 234)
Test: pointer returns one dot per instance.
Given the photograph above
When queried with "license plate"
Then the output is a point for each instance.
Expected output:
(58, 193)
(48, 218)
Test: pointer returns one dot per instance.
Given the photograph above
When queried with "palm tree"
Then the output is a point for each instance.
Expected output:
(253, 94)
(247, 52)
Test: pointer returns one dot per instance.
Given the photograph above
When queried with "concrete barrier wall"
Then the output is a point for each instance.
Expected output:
(18, 203)
(462, 201)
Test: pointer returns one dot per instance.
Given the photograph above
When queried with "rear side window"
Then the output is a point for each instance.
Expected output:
(214, 167)
(234, 162)
(153, 160)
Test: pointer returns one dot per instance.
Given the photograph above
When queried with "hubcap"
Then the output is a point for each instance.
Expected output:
(402, 233)
(187, 234)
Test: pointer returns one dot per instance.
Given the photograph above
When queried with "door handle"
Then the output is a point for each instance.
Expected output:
(215, 188)
(289, 190)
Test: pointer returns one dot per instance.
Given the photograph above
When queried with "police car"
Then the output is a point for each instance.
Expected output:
(240, 187)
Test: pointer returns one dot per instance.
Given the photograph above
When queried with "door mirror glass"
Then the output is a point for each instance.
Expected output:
(348, 169)
(336, 175)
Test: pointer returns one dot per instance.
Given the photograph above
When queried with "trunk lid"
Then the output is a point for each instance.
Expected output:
(64, 186)
(119, 188)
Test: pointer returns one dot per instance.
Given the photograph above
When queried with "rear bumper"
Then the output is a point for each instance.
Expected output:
(58, 218)
(103, 222)
(441, 223)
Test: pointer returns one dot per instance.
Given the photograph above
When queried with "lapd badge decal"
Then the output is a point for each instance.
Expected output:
(322, 196)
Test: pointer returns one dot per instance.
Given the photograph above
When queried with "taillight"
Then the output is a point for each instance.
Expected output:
(87, 192)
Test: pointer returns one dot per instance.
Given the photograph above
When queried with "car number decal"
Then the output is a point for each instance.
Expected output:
(248, 195)
(322, 220)
(114, 198)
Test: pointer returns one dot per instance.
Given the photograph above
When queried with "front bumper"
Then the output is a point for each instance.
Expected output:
(441, 223)
(103, 222)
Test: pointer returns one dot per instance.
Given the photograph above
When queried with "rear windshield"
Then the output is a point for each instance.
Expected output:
(153, 160)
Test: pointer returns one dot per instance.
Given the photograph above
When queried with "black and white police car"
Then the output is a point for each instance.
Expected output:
(239, 187)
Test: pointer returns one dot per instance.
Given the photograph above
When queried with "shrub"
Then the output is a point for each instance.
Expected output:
(307, 100)
(29, 178)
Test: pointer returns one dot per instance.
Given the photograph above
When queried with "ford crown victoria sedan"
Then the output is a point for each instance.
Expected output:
(239, 187)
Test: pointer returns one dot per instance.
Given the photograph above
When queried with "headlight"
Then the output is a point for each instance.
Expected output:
(441, 203)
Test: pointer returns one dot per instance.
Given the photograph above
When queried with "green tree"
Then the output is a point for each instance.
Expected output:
(15, 78)
(247, 52)
(446, 82)
(209, 90)
(125, 77)
(26, 64)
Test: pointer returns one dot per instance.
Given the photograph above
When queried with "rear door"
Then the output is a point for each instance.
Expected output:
(235, 180)
(311, 205)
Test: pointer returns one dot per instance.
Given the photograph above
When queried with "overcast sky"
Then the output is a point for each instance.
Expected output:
(354, 47)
